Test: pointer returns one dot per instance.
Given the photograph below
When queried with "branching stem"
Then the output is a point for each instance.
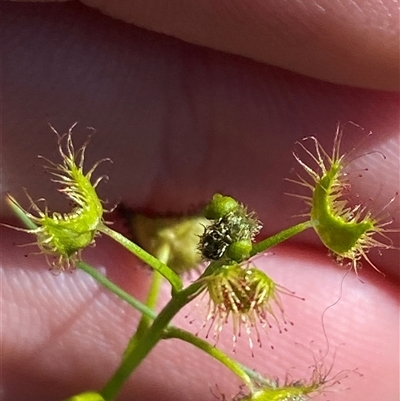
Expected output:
(280, 237)
(141, 348)
(152, 261)
(174, 332)
(104, 281)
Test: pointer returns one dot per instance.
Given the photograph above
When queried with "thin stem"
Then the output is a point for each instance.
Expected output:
(141, 348)
(151, 302)
(162, 254)
(241, 371)
(280, 237)
(174, 332)
(19, 212)
(152, 261)
(170, 332)
(104, 281)
(145, 321)
(154, 291)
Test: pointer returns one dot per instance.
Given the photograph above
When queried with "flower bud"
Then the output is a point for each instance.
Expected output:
(248, 295)
(234, 227)
(63, 236)
(220, 206)
(349, 232)
(299, 390)
(239, 250)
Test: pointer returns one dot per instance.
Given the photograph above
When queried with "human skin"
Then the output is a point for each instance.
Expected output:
(181, 122)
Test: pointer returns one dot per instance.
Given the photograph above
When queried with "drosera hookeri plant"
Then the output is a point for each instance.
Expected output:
(227, 240)
(348, 231)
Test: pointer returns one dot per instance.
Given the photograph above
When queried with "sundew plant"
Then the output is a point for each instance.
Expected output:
(218, 247)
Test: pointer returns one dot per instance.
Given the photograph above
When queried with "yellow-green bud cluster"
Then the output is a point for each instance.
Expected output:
(172, 240)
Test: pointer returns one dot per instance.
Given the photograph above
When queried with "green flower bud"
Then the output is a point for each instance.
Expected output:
(62, 236)
(349, 232)
(236, 226)
(248, 295)
(239, 250)
(220, 206)
(299, 390)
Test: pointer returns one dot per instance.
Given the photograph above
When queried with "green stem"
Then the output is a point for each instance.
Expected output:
(152, 261)
(170, 332)
(162, 255)
(116, 290)
(152, 296)
(280, 237)
(174, 332)
(145, 321)
(141, 348)
(19, 212)
(151, 302)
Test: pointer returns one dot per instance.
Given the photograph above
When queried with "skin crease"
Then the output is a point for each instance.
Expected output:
(181, 122)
